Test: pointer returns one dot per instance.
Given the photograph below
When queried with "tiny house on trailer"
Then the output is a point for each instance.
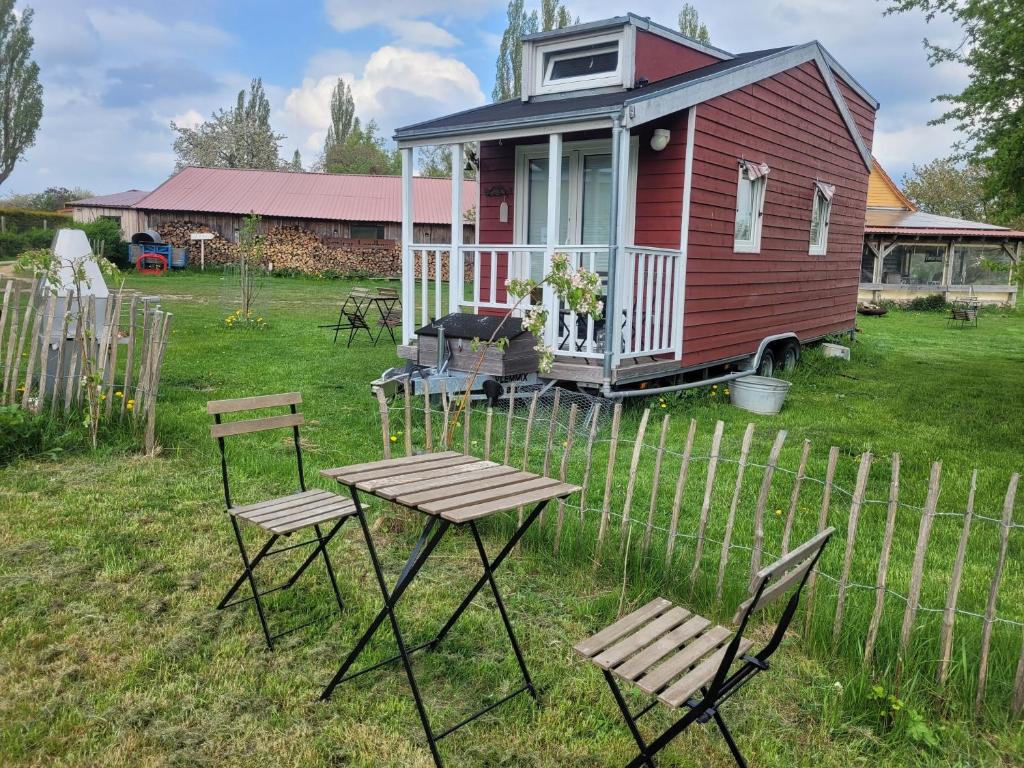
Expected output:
(720, 196)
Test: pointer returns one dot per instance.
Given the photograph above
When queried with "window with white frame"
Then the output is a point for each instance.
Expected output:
(753, 179)
(596, 61)
(821, 210)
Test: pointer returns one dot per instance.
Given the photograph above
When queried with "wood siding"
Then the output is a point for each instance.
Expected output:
(130, 220)
(659, 185)
(733, 300)
(658, 58)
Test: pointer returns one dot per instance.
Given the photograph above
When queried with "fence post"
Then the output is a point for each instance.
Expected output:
(851, 538)
(883, 560)
(917, 570)
(655, 481)
(585, 485)
(613, 448)
(526, 444)
(552, 429)
(705, 509)
(573, 410)
(428, 417)
(638, 444)
(741, 468)
(795, 496)
(30, 308)
(1017, 704)
(4, 315)
(406, 390)
(467, 414)
(762, 500)
(114, 344)
(508, 422)
(488, 424)
(385, 422)
(949, 614)
(12, 339)
(129, 361)
(993, 593)
(684, 471)
(154, 383)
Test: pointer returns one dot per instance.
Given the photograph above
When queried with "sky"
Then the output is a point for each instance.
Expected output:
(115, 74)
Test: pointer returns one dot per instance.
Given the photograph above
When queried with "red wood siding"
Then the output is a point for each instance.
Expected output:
(659, 185)
(658, 58)
(733, 300)
(863, 113)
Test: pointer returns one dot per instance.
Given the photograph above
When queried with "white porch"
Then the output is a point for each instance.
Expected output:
(642, 288)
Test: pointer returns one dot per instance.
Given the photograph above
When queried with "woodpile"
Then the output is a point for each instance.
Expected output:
(290, 249)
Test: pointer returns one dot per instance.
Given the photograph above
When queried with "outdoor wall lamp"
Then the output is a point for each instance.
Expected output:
(660, 139)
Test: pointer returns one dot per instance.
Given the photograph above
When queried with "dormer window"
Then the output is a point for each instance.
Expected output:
(581, 63)
(575, 64)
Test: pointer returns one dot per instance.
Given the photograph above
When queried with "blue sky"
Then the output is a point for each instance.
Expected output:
(115, 74)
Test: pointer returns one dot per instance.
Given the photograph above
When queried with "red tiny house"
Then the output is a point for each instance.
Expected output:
(677, 148)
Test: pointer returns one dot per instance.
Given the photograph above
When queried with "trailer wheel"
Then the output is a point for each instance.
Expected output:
(767, 365)
(789, 355)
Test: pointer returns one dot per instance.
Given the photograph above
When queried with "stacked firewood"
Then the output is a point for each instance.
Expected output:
(218, 250)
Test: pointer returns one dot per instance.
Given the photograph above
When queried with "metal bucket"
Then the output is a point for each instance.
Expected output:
(759, 394)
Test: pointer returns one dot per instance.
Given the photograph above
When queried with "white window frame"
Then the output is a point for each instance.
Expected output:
(757, 193)
(820, 248)
(545, 54)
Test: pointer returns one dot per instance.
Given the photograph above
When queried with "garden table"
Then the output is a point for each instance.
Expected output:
(450, 489)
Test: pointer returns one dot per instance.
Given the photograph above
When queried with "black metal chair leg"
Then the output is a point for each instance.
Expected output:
(241, 579)
(630, 721)
(489, 574)
(322, 547)
(252, 583)
(737, 755)
(323, 541)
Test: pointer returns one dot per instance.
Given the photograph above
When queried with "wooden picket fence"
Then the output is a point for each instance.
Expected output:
(572, 443)
(127, 353)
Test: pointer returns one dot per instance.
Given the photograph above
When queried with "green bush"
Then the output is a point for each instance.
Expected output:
(105, 237)
(932, 303)
(11, 244)
(22, 433)
(19, 219)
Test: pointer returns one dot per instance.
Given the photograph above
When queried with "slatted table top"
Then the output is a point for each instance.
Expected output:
(453, 486)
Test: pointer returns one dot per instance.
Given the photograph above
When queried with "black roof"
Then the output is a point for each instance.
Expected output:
(462, 325)
(574, 107)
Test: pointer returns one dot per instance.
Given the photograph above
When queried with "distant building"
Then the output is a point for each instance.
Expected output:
(909, 253)
(332, 206)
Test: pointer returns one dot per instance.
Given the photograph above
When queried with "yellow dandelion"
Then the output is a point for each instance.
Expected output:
(664, 406)
(727, 391)
(102, 398)
(21, 389)
(119, 394)
(130, 405)
(778, 513)
(394, 438)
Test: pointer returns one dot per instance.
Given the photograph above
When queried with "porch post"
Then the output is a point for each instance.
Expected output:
(554, 219)
(876, 271)
(408, 273)
(624, 275)
(611, 304)
(947, 265)
(456, 270)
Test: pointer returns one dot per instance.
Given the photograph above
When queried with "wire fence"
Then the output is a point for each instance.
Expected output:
(64, 353)
(914, 588)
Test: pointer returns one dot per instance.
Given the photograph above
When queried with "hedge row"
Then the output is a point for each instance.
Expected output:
(19, 220)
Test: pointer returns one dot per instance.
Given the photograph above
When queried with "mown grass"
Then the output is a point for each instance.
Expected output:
(112, 653)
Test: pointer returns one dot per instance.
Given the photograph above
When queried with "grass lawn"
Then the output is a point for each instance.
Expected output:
(111, 652)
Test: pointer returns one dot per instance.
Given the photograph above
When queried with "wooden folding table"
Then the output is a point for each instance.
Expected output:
(451, 489)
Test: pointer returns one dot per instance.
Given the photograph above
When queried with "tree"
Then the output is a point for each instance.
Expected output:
(948, 187)
(343, 116)
(296, 163)
(363, 152)
(989, 111)
(508, 77)
(691, 25)
(436, 161)
(21, 94)
(235, 138)
(50, 199)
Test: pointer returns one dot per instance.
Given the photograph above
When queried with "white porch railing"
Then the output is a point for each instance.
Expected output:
(648, 294)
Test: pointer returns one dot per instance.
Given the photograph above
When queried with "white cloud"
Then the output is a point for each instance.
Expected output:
(406, 19)
(397, 86)
(187, 119)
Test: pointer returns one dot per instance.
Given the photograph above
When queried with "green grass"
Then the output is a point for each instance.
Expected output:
(110, 564)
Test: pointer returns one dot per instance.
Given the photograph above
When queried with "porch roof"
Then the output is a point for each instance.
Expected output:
(537, 113)
(888, 221)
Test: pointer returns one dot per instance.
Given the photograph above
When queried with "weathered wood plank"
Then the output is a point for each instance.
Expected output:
(609, 478)
(851, 539)
(526, 446)
(883, 560)
(638, 445)
(428, 418)
(762, 502)
(677, 500)
(655, 483)
(585, 486)
(705, 509)
(129, 360)
(920, 553)
(993, 592)
(488, 426)
(508, 422)
(610, 634)
(826, 500)
(253, 403)
(552, 431)
(794, 498)
(563, 471)
(407, 393)
(949, 612)
(730, 521)
(246, 426)
(385, 421)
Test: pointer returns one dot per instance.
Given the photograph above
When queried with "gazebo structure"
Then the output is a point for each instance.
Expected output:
(909, 253)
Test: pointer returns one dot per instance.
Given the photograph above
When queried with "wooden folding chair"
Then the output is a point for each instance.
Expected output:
(686, 662)
(352, 315)
(282, 516)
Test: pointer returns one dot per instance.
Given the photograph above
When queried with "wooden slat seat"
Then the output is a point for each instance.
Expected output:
(287, 514)
(665, 650)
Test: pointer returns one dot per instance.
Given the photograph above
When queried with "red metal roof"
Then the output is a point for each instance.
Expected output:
(880, 221)
(124, 199)
(998, 234)
(332, 196)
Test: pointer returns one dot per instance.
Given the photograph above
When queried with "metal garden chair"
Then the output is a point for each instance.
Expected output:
(282, 516)
(352, 315)
(686, 662)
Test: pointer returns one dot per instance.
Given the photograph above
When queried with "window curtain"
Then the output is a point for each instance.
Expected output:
(755, 171)
(827, 190)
